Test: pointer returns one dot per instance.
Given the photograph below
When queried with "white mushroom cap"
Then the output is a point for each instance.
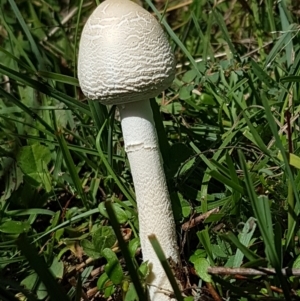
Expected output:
(124, 54)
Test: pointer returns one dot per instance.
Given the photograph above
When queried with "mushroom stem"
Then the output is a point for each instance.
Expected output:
(153, 200)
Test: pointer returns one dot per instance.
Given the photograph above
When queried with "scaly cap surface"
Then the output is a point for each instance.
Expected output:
(124, 54)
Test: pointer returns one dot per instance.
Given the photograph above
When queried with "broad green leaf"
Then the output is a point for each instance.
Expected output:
(30, 157)
(296, 263)
(120, 213)
(14, 227)
(90, 249)
(131, 294)
(215, 217)
(133, 245)
(185, 92)
(206, 99)
(245, 236)
(105, 284)
(144, 269)
(57, 268)
(201, 265)
(174, 108)
(199, 253)
(113, 268)
(218, 251)
(33, 161)
(102, 238)
(32, 283)
(10, 175)
(293, 159)
(186, 167)
(189, 76)
(102, 280)
(185, 206)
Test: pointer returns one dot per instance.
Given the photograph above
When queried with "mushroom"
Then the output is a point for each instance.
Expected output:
(125, 59)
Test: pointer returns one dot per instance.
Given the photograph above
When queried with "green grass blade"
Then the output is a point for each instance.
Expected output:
(226, 181)
(110, 136)
(4, 284)
(250, 255)
(261, 209)
(270, 14)
(78, 289)
(110, 169)
(164, 262)
(236, 196)
(162, 137)
(221, 23)
(15, 45)
(263, 75)
(71, 168)
(9, 97)
(46, 89)
(285, 23)
(17, 60)
(6, 295)
(289, 79)
(287, 85)
(72, 220)
(125, 251)
(174, 37)
(283, 41)
(244, 238)
(54, 290)
(205, 241)
(99, 115)
(27, 32)
(70, 164)
(22, 212)
(59, 78)
(257, 138)
(287, 168)
(76, 36)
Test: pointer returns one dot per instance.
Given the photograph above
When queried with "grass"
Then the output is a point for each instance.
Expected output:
(228, 131)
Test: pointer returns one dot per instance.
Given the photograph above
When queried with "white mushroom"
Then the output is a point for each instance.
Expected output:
(125, 59)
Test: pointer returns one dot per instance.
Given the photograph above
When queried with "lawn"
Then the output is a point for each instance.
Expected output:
(228, 131)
